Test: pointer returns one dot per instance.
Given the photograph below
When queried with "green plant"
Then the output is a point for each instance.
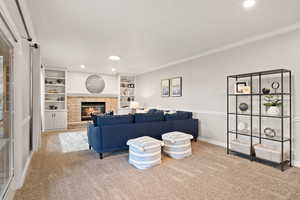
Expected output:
(272, 101)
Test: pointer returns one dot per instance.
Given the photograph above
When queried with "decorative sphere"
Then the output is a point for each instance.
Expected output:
(243, 107)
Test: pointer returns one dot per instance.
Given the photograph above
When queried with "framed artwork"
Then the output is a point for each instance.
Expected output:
(176, 87)
(165, 88)
(239, 87)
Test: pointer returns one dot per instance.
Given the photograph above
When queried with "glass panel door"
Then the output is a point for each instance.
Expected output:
(6, 137)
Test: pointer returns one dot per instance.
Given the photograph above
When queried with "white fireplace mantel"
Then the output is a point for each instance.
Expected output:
(92, 95)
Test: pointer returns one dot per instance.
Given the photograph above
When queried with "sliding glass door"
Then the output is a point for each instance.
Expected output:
(6, 136)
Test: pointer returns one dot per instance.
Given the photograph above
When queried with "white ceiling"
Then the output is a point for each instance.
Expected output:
(147, 34)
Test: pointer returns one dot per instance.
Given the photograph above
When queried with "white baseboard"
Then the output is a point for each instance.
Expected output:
(212, 141)
(10, 194)
(296, 163)
(22, 179)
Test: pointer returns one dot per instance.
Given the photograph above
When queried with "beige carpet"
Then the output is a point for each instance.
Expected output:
(209, 174)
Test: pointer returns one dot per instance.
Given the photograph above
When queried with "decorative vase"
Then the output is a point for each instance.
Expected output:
(266, 91)
(246, 90)
(274, 110)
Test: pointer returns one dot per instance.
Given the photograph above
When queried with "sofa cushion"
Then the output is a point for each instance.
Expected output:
(114, 119)
(153, 110)
(149, 117)
(179, 115)
(185, 115)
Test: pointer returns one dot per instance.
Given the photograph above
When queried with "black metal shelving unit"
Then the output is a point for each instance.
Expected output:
(258, 134)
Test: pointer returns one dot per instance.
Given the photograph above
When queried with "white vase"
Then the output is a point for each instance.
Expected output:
(274, 110)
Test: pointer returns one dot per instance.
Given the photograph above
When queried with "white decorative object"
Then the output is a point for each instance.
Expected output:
(243, 126)
(246, 90)
(269, 132)
(177, 144)
(240, 146)
(134, 105)
(269, 153)
(95, 84)
(274, 110)
(144, 152)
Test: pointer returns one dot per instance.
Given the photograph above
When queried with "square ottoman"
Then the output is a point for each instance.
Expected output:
(177, 144)
(144, 152)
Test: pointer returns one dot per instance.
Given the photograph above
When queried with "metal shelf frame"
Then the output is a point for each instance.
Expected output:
(258, 134)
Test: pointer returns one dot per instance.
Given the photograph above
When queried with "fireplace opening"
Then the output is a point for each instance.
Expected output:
(89, 108)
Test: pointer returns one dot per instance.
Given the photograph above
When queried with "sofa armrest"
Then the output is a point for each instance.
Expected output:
(95, 137)
(190, 126)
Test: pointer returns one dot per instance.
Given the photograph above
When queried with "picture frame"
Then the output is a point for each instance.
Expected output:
(165, 87)
(239, 87)
(176, 87)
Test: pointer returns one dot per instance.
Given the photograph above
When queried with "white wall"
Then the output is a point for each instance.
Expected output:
(204, 82)
(25, 109)
(36, 101)
(42, 99)
(76, 83)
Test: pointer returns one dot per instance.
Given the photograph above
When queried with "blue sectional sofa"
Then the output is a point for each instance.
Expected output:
(110, 133)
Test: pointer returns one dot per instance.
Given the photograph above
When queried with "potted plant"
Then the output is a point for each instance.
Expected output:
(273, 104)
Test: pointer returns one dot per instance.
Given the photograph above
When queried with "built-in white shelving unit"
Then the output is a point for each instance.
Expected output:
(126, 93)
(55, 99)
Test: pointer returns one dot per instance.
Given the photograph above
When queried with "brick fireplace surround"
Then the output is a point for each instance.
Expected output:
(74, 108)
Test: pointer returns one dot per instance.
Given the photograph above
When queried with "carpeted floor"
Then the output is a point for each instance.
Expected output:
(209, 174)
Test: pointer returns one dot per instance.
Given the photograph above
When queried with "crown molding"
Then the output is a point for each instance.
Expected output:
(240, 43)
(92, 72)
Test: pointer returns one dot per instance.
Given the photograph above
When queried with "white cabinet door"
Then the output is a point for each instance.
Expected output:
(49, 120)
(60, 121)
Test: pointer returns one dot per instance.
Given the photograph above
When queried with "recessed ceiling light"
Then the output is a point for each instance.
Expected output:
(82, 66)
(113, 69)
(114, 58)
(249, 3)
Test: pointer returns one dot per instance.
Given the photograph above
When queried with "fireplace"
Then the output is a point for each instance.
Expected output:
(89, 108)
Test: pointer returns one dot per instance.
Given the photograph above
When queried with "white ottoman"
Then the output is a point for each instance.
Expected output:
(144, 152)
(177, 144)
